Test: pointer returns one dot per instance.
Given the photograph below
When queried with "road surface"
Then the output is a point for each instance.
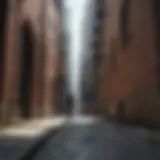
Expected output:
(102, 141)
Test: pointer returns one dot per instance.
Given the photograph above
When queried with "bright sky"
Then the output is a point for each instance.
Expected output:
(78, 40)
(75, 17)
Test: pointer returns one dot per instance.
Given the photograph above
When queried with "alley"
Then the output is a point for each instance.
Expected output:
(71, 72)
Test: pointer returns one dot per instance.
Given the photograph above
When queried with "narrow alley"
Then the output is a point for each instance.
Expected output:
(79, 80)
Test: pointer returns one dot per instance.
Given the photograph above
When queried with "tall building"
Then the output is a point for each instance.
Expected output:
(129, 70)
(29, 58)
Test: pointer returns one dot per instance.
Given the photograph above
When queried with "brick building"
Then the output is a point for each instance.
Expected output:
(29, 57)
(129, 68)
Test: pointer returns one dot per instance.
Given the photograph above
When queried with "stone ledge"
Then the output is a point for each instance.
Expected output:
(33, 127)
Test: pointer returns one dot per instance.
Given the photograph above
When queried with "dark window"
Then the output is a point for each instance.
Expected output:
(3, 18)
(124, 22)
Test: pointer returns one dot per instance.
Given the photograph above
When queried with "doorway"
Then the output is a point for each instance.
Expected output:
(27, 49)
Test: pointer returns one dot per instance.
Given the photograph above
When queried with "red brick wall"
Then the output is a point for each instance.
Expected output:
(130, 69)
(44, 62)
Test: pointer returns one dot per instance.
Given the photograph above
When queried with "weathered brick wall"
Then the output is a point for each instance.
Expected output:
(128, 70)
(48, 34)
(45, 30)
(51, 56)
(11, 69)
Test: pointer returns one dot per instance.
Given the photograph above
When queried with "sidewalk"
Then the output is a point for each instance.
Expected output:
(33, 127)
(16, 140)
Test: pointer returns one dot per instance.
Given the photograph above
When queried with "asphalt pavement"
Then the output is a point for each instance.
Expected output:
(102, 141)
(12, 148)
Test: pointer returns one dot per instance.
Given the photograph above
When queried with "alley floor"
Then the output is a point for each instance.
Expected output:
(87, 139)
(102, 141)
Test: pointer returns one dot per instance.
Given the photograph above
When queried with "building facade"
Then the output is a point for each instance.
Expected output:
(129, 69)
(30, 58)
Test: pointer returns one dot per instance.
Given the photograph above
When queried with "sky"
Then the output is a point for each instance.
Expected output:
(78, 33)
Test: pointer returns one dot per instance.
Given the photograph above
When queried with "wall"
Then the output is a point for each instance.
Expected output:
(44, 25)
(127, 70)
